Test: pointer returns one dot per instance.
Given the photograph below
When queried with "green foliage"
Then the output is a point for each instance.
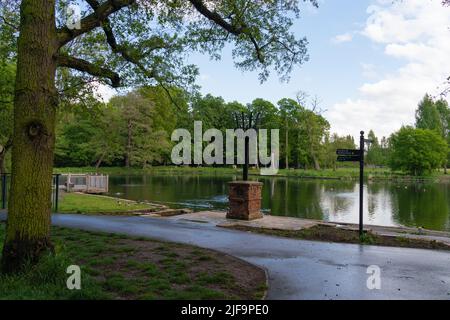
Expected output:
(268, 113)
(135, 127)
(331, 144)
(434, 115)
(7, 76)
(427, 115)
(417, 151)
(303, 134)
(376, 152)
(144, 142)
(160, 34)
(8, 33)
(74, 140)
(213, 112)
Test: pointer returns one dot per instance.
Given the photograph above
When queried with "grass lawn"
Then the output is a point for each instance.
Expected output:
(86, 203)
(333, 234)
(121, 267)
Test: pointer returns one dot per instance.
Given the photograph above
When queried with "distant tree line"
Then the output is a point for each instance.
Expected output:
(135, 129)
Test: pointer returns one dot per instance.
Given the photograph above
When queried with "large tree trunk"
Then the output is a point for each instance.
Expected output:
(28, 226)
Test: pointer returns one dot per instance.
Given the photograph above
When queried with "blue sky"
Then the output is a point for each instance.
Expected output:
(355, 47)
(331, 72)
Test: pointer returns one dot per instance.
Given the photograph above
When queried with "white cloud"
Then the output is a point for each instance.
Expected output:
(341, 38)
(416, 32)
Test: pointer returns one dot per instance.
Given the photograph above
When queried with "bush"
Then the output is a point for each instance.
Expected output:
(417, 151)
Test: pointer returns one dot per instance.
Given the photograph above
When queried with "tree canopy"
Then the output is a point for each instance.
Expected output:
(142, 42)
(417, 151)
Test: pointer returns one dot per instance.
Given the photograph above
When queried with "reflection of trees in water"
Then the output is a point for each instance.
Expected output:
(337, 199)
(412, 204)
(293, 197)
(170, 188)
(337, 185)
(425, 205)
(377, 197)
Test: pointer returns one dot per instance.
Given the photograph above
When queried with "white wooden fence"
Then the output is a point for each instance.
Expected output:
(84, 183)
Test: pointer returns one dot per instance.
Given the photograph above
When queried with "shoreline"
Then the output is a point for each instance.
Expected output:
(317, 230)
(344, 174)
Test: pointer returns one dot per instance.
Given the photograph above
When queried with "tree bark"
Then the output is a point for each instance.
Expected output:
(99, 162)
(35, 102)
(316, 163)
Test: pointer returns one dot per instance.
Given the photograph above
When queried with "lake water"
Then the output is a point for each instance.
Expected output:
(385, 203)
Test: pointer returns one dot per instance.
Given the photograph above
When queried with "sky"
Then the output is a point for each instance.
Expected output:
(371, 62)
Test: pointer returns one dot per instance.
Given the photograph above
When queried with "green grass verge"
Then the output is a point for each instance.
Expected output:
(119, 267)
(333, 234)
(88, 204)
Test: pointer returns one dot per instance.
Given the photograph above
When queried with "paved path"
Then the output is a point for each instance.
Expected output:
(298, 269)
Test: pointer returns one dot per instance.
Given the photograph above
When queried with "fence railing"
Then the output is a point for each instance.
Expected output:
(82, 182)
(5, 184)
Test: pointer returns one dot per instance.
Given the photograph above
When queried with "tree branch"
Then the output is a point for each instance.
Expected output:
(85, 66)
(10, 24)
(93, 20)
(217, 18)
(115, 47)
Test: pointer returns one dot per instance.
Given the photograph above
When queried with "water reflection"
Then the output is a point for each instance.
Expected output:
(385, 203)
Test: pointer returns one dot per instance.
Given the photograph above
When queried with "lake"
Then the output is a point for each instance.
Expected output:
(385, 203)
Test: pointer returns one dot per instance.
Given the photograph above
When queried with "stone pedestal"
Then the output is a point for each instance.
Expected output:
(244, 200)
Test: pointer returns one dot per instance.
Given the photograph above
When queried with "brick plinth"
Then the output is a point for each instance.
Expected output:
(244, 200)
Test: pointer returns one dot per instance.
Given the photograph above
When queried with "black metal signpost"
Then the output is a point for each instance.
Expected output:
(245, 121)
(351, 155)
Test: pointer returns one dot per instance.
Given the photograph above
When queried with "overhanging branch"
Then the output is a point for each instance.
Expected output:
(200, 6)
(85, 66)
(10, 24)
(115, 47)
(215, 17)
